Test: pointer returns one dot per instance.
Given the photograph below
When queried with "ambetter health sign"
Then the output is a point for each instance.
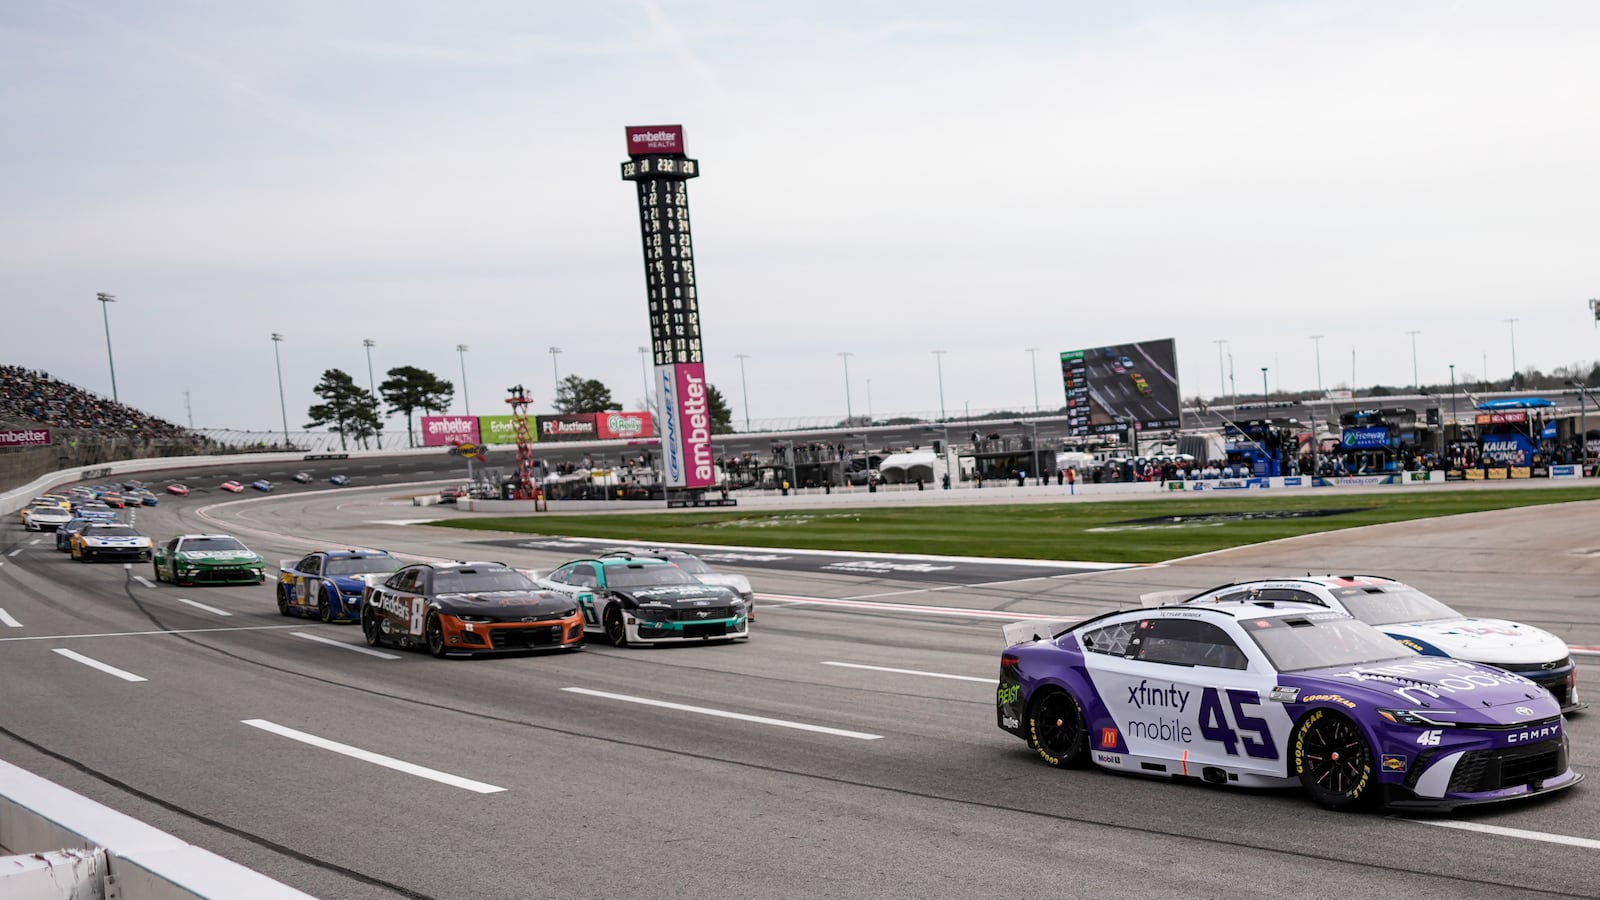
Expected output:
(25, 437)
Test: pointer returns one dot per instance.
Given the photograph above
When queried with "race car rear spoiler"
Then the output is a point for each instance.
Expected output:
(1036, 630)
(1164, 598)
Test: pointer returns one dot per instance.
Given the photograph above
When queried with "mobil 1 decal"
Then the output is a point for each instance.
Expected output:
(1226, 724)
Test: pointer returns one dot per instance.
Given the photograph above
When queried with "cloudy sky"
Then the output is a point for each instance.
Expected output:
(882, 179)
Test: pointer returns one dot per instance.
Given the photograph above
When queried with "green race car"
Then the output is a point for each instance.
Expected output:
(208, 559)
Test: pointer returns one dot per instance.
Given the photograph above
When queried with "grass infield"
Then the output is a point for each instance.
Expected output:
(1130, 531)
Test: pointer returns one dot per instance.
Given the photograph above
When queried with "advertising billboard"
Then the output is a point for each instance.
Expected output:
(644, 140)
(1371, 437)
(442, 431)
(25, 437)
(579, 427)
(684, 409)
(1112, 387)
(502, 430)
(617, 426)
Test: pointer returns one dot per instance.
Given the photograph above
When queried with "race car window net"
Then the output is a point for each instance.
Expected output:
(1296, 643)
(359, 565)
(481, 581)
(1390, 606)
(1112, 639)
(646, 576)
(213, 543)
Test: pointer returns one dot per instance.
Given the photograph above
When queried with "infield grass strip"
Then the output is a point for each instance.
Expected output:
(1123, 531)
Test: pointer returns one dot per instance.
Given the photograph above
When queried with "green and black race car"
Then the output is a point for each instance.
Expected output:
(208, 559)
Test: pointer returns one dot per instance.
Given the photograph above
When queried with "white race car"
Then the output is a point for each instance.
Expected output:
(1416, 620)
(48, 518)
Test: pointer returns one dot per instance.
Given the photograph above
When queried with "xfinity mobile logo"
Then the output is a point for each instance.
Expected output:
(1143, 695)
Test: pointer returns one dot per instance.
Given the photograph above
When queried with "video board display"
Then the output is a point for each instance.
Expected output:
(1111, 387)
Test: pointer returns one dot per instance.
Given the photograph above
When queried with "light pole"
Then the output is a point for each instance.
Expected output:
(938, 360)
(1316, 344)
(1583, 424)
(461, 351)
(1033, 363)
(372, 383)
(556, 368)
(282, 406)
(1222, 380)
(1453, 426)
(744, 388)
(1415, 382)
(105, 300)
(1352, 373)
(1265, 394)
(849, 415)
(644, 375)
(869, 401)
(1513, 323)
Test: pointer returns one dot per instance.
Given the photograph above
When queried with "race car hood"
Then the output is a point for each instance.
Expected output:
(1493, 641)
(218, 557)
(677, 596)
(1461, 691)
(506, 604)
(51, 514)
(738, 583)
(115, 540)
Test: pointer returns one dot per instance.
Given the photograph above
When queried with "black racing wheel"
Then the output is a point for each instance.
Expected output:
(371, 628)
(324, 608)
(1056, 728)
(435, 635)
(1334, 761)
(616, 632)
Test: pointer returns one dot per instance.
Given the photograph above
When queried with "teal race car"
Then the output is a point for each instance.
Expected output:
(208, 559)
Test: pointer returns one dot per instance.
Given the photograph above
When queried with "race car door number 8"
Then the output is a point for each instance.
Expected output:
(1214, 724)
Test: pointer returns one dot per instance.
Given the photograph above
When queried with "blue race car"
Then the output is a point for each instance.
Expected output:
(1277, 694)
(262, 485)
(329, 583)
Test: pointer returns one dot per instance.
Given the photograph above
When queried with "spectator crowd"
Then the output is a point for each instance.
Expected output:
(30, 397)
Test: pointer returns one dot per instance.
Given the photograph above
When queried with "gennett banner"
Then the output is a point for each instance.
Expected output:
(683, 404)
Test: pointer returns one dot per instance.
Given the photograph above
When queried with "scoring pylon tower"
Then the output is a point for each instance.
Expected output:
(519, 401)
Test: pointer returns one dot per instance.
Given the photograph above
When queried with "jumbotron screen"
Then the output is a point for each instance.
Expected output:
(1109, 388)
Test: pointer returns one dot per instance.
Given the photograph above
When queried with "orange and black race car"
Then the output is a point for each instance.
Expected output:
(468, 607)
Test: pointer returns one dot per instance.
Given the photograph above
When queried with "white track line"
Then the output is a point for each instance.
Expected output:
(198, 605)
(914, 608)
(35, 542)
(376, 759)
(845, 665)
(15, 552)
(144, 581)
(1546, 837)
(97, 664)
(63, 637)
(724, 714)
(345, 644)
(5, 619)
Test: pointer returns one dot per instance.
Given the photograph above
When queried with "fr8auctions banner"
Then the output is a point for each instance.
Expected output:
(684, 410)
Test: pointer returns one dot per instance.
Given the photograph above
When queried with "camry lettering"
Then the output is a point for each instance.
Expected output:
(1533, 734)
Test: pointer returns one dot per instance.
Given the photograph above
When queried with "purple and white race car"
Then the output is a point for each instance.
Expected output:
(1273, 694)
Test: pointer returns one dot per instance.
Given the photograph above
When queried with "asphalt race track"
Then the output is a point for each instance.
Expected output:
(848, 750)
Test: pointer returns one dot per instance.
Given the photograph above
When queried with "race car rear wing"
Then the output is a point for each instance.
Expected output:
(1036, 630)
(1164, 598)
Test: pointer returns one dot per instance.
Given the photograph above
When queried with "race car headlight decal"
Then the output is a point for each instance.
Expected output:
(1413, 717)
(478, 620)
(569, 614)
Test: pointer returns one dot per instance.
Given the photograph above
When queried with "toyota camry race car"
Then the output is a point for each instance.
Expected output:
(1270, 695)
(469, 607)
(1418, 621)
(644, 600)
(120, 542)
(330, 583)
(208, 559)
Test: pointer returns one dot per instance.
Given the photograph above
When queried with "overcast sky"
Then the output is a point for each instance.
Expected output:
(882, 179)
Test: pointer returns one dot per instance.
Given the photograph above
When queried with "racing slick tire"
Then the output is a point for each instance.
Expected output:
(283, 602)
(1334, 761)
(371, 629)
(616, 631)
(324, 608)
(1056, 729)
(434, 634)
(157, 570)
